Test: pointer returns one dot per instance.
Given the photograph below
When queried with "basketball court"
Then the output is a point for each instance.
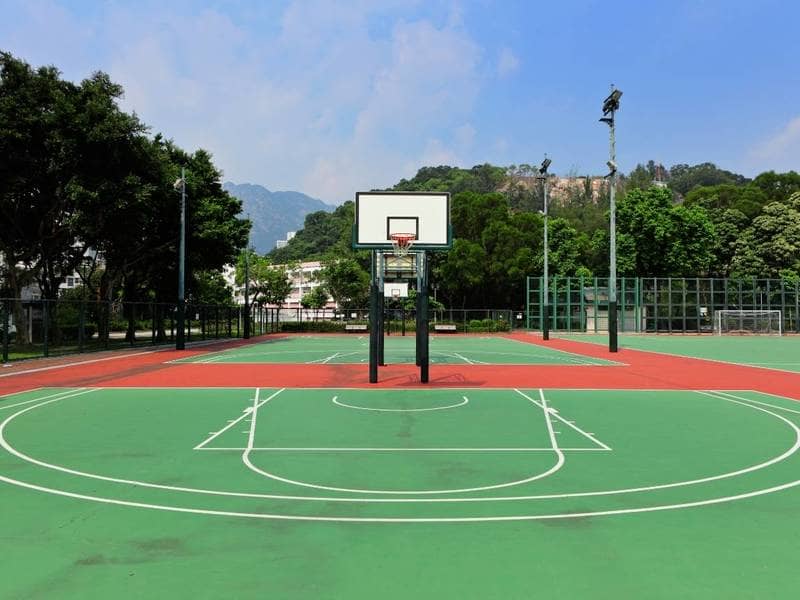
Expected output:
(428, 465)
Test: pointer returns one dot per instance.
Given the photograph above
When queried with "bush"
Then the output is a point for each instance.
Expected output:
(488, 325)
(313, 326)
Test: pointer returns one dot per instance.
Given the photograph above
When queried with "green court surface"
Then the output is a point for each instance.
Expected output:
(354, 349)
(772, 352)
(443, 493)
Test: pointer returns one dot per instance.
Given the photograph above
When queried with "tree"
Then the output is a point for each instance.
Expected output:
(683, 178)
(778, 187)
(747, 199)
(771, 247)
(346, 281)
(274, 286)
(315, 299)
(667, 240)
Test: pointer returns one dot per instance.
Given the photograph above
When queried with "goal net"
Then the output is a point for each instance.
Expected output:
(747, 321)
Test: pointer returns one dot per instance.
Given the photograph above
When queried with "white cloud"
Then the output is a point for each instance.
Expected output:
(507, 63)
(323, 103)
(779, 151)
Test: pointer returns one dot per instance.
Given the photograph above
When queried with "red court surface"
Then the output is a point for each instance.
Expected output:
(640, 370)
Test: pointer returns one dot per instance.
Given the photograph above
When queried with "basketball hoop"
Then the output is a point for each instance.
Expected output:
(401, 242)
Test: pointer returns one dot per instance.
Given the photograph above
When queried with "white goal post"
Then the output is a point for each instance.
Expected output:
(740, 322)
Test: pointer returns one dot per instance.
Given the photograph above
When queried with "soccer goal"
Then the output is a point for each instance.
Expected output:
(742, 322)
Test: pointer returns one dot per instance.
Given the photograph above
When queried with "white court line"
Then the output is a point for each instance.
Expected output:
(235, 421)
(324, 361)
(568, 423)
(62, 392)
(791, 410)
(464, 358)
(35, 389)
(605, 361)
(335, 401)
(692, 356)
(396, 449)
(83, 362)
(252, 467)
(4, 444)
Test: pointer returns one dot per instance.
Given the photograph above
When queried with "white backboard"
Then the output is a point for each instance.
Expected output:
(425, 214)
(395, 289)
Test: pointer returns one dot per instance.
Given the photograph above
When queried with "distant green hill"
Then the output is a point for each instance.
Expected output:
(273, 213)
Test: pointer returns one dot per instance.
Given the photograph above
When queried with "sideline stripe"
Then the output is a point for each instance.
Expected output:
(791, 410)
(62, 392)
(295, 449)
(785, 455)
(252, 467)
(568, 423)
(235, 421)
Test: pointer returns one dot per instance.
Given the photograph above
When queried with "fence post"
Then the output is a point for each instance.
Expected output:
(527, 303)
(45, 328)
(582, 316)
(6, 317)
(569, 304)
(81, 323)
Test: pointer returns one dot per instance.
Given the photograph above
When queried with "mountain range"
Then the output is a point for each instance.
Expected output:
(273, 213)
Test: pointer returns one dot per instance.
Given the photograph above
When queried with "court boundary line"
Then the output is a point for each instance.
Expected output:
(230, 424)
(565, 421)
(466, 400)
(63, 392)
(18, 454)
(614, 363)
(398, 449)
(689, 356)
(246, 459)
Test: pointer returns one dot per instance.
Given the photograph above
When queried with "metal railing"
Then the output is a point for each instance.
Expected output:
(657, 304)
(42, 328)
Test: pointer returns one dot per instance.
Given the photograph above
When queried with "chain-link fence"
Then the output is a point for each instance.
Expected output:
(657, 304)
(40, 328)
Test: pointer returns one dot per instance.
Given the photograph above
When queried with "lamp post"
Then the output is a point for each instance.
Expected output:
(610, 106)
(246, 334)
(180, 338)
(546, 308)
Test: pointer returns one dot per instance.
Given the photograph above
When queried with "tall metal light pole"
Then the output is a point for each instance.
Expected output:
(246, 334)
(546, 308)
(180, 337)
(610, 106)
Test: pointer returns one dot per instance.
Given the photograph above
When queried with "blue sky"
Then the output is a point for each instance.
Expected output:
(329, 98)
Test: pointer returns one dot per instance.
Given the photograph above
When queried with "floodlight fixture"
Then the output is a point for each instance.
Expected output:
(611, 103)
(612, 166)
(178, 183)
(545, 164)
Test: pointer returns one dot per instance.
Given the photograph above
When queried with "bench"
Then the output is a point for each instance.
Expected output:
(446, 327)
(356, 327)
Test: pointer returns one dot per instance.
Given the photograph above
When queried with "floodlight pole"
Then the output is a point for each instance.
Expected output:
(246, 316)
(610, 106)
(546, 306)
(180, 338)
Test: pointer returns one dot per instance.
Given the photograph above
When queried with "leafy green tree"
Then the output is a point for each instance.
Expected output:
(771, 247)
(461, 274)
(684, 178)
(747, 199)
(315, 299)
(322, 233)
(778, 187)
(639, 179)
(346, 281)
(668, 240)
(274, 286)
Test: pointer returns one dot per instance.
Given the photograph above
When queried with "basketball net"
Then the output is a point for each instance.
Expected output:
(401, 243)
